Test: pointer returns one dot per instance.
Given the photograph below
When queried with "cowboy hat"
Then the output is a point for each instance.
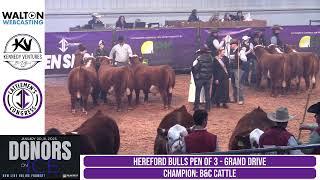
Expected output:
(281, 115)
(277, 27)
(120, 38)
(101, 42)
(234, 41)
(245, 38)
(315, 108)
(87, 55)
(96, 15)
(81, 47)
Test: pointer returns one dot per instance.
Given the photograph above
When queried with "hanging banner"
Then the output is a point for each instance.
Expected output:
(175, 47)
(198, 167)
(60, 48)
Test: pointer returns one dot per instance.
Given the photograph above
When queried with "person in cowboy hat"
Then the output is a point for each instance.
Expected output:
(247, 46)
(236, 74)
(95, 20)
(278, 135)
(122, 52)
(314, 128)
(259, 37)
(192, 86)
(213, 43)
(202, 74)
(193, 16)
(79, 54)
(275, 39)
(101, 51)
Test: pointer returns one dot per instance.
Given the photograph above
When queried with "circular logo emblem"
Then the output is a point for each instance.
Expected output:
(22, 98)
(22, 52)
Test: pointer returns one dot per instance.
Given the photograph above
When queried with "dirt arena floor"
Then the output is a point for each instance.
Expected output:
(138, 127)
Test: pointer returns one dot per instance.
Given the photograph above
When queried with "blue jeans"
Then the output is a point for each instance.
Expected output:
(236, 84)
(245, 77)
(206, 85)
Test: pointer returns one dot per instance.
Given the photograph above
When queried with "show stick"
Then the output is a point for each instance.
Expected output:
(305, 111)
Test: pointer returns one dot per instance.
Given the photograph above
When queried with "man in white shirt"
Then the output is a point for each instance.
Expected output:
(122, 53)
(236, 71)
(247, 66)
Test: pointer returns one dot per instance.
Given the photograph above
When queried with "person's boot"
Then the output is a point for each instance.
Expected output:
(225, 106)
(208, 108)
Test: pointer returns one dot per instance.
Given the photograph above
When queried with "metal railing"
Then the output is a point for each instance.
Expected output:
(181, 12)
(262, 150)
(313, 21)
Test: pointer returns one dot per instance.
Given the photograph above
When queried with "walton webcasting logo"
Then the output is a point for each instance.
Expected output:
(22, 98)
(22, 18)
(22, 52)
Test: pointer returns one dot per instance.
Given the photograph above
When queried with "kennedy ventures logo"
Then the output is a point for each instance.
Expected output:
(22, 18)
(22, 52)
(22, 98)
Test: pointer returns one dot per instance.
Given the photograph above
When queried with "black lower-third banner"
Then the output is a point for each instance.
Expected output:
(39, 157)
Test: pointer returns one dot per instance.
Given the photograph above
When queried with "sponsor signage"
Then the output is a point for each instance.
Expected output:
(160, 46)
(198, 167)
(39, 157)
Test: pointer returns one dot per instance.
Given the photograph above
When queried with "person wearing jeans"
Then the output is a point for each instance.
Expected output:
(202, 74)
(236, 84)
(206, 86)
(236, 70)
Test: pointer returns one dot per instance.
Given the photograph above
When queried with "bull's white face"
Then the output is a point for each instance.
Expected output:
(254, 138)
(176, 143)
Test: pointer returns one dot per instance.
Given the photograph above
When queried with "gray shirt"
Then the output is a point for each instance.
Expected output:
(273, 40)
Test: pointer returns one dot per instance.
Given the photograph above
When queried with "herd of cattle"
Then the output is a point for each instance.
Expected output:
(100, 133)
(86, 79)
(280, 68)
